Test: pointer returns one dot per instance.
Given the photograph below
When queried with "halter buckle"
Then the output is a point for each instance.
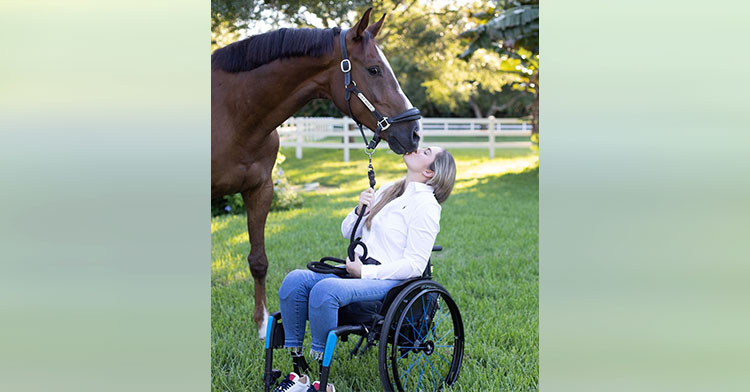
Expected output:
(348, 64)
(387, 124)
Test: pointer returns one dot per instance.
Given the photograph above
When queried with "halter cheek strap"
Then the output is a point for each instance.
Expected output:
(351, 88)
(383, 124)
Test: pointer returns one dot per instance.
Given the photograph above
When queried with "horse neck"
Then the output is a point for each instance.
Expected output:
(274, 92)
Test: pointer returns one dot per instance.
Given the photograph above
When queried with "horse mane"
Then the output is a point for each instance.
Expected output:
(261, 49)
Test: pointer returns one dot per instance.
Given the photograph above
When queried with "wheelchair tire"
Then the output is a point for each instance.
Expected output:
(422, 340)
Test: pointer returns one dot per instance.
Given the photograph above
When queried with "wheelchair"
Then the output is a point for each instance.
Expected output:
(417, 327)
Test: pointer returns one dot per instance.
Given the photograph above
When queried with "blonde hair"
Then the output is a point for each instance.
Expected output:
(442, 182)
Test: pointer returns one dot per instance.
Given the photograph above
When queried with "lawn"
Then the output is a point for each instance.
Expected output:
(489, 231)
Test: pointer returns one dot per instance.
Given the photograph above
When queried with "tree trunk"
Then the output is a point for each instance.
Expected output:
(494, 108)
(535, 106)
(476, 108)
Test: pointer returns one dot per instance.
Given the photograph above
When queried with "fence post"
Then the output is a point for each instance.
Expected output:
(345, 126)
(523, 125)
(298, 128)
(491, 131)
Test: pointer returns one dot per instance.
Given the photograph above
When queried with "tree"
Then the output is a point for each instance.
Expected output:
(513, 33)
(230, 17)
(421, 41)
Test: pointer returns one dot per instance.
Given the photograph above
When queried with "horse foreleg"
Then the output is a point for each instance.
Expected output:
(257, 203)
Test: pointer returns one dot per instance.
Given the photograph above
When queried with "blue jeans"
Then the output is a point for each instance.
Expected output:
(309, 295)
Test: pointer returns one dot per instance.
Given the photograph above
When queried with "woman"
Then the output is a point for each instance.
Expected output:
(402, 221)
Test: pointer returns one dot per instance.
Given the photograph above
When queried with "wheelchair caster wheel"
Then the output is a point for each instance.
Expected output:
(275, 375)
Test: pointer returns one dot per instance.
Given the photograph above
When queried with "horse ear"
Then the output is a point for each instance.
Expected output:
(359, 29)
(375, 29)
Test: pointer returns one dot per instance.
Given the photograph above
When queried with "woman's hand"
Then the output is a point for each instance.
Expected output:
(354, 268)
(365, 198)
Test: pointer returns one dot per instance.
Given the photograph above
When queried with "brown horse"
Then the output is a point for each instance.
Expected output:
(259, 82)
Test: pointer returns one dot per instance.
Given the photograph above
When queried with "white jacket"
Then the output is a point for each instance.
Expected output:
(402, 234)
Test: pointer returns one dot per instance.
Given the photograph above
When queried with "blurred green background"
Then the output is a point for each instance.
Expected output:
(644, 197)
(104, 220)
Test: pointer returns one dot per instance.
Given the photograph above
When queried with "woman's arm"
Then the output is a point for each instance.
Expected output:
(351, 217)
(420, 237)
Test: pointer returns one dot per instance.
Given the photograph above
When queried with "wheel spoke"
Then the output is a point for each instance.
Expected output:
(405, 354)
(421, 373)
(432, 375)
(411, 365)
(435, 324)
(425, 315)
(443, 337)
(438, 323)
(434, 384)
(419, 335)
(441, 357)
(414, 362)
(407, 339)
(422, 335)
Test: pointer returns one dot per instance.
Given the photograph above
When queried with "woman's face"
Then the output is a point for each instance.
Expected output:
(420, 160)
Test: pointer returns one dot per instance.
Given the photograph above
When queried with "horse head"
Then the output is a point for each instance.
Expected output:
(373, 77)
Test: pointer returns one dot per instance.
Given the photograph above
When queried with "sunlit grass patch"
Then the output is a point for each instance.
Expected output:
(489, 229)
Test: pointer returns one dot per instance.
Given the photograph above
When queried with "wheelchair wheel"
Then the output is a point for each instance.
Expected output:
(422, 340)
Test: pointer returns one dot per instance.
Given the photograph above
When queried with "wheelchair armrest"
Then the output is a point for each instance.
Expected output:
(437, 248)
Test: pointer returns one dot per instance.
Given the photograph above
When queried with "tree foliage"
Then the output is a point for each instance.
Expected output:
(512, 32)
(422, 40)
(421, 44)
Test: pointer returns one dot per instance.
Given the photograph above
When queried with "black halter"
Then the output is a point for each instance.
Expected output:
(351, 87)
(383, 124)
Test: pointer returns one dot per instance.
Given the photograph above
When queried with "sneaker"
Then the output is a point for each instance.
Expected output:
(294, 383)
(314, 387)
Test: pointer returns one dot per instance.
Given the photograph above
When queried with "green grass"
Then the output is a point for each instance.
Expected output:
(489, 231)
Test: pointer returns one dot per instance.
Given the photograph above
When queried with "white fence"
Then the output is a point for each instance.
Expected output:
(342, 133)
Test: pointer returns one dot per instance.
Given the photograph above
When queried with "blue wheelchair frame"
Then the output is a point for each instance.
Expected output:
(366, 329)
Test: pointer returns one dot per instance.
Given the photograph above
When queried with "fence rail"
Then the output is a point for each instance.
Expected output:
(341, 133)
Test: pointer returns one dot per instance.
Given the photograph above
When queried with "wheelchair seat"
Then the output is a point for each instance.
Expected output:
(359, 313)
(365, 312)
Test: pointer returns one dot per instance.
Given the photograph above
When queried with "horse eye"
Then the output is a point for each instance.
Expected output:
(374, 70)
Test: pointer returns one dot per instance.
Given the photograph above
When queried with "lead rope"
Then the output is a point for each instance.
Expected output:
(383, 124)
(324, 268)
(354, 242)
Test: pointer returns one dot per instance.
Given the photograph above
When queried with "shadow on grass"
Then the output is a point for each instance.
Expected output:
(476, 220)
(489, 230)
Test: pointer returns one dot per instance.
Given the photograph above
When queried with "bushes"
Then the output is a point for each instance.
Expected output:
(284, 195)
